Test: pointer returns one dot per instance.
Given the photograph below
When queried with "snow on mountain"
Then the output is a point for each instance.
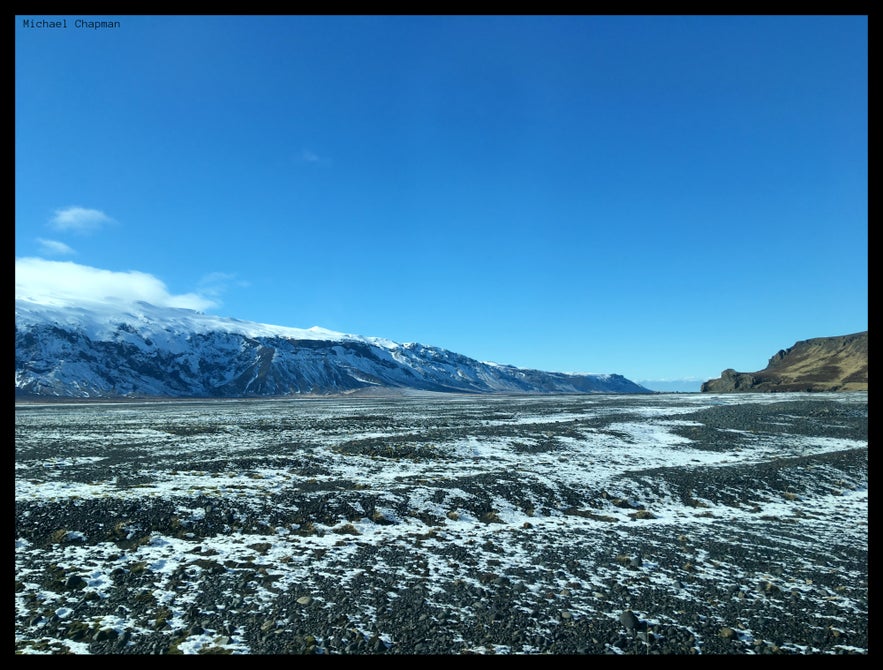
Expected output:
(112, 349)
(98, 320)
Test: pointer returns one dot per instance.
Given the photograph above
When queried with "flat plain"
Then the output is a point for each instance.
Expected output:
(444, 524)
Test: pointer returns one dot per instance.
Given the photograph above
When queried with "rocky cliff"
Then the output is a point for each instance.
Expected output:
(820, 364)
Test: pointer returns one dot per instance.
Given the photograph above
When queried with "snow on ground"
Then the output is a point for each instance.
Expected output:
(416, 458)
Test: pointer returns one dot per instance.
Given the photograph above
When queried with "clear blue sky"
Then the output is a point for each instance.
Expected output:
(660, 197)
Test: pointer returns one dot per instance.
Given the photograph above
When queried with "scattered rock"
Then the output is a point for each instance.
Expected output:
(628, 619)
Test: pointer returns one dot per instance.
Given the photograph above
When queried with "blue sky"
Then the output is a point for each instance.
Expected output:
(660, 197)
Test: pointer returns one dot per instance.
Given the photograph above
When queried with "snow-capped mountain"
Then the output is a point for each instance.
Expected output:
(110, 349)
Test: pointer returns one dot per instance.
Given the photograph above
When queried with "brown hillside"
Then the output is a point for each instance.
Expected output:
(820, 364)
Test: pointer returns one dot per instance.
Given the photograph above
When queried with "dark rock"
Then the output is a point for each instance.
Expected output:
(75, 582)
(629, 620)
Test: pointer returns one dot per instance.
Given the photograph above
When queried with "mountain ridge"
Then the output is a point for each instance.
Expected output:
(838, 363)
(137, 350)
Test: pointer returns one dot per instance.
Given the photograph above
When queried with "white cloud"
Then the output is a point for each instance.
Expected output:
(307, 156)
(54, 248)
(64, 282)
(79, 219)
(215, 283)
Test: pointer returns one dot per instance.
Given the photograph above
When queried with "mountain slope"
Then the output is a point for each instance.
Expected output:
(820, 364)
(107, 350)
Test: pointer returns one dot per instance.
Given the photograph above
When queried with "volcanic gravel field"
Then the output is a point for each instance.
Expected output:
(444, 524)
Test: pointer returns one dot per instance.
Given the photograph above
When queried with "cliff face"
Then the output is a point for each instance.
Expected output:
(820, 364)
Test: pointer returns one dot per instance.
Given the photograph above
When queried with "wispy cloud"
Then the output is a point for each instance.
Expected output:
(54, 248)
(215, 283)
(79, 219)
(64, 282)
(308, 156)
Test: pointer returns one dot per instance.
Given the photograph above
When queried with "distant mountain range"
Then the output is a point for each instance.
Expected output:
(116, 350)
(837, 363)
(671, 386)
